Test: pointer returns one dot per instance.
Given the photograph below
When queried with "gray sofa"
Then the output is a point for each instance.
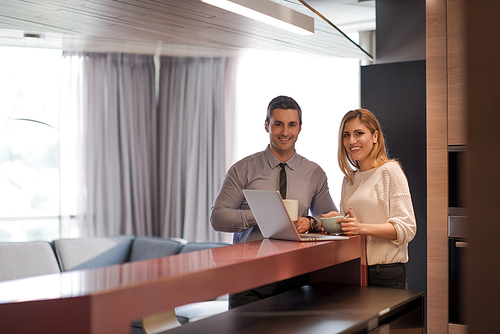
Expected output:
(27, 259)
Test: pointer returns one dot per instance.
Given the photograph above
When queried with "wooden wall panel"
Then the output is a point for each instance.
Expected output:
(456, 73)
(437, 168)
(457, 329)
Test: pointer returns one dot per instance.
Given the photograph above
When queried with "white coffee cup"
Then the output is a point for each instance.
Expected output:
(292, 207)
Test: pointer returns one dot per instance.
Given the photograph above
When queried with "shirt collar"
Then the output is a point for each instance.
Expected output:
(274, 162)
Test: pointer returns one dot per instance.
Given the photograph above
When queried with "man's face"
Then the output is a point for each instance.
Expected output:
(283, 128)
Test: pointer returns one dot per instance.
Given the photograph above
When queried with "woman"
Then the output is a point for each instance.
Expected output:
(376, 189)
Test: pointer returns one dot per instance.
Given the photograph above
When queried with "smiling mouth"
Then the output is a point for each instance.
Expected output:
(284, 139)
(355, 149)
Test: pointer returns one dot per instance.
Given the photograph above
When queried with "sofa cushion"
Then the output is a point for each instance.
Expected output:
(145, 248)
(196, 246)
(85, 253)
(26, 259)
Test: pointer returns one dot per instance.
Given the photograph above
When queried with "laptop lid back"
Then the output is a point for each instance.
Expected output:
(271, 215)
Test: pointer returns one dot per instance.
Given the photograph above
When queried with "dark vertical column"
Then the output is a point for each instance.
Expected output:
(400, 34)
(396, 94)
(482, 161)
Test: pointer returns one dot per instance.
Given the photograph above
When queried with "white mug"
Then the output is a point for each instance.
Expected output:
(292, 207)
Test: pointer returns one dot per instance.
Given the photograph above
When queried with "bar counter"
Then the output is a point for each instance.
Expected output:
(106, 300)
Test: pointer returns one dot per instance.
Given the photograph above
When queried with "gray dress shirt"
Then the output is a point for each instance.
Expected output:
(306, 182)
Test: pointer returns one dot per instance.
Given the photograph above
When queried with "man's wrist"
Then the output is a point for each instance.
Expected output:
(313, 222)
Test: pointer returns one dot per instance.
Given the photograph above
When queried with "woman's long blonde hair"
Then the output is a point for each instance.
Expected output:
(378, 155)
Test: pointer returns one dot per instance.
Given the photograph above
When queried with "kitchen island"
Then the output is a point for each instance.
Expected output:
(107, 300)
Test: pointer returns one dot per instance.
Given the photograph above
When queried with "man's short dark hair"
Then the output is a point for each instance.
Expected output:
(283, 102)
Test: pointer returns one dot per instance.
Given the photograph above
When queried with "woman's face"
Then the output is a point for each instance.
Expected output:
(358, 142)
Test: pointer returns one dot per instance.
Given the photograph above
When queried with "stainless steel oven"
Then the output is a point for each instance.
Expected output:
(457, 232)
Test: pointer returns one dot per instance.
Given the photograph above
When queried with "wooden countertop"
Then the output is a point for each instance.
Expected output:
(106, 300)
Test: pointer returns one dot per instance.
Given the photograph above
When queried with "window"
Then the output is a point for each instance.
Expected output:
(38, 130)
(30, 143)
(324, 87)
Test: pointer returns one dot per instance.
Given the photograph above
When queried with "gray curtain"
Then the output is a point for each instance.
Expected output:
(194, 96)
(150, 169)
(119, 145)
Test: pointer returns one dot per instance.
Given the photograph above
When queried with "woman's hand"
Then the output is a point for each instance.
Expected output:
(350, 225)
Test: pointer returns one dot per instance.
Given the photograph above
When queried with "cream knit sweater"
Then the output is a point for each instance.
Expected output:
(377, 196)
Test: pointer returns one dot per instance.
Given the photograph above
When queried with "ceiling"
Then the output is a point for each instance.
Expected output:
(177, 27)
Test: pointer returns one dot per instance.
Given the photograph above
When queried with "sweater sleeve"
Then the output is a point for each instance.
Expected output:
(401, 211)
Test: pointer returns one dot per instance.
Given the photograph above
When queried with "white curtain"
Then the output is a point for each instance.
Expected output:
(70, 173)
(119, 145)
(194, 96)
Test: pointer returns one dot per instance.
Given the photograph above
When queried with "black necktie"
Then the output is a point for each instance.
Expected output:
(283, 180)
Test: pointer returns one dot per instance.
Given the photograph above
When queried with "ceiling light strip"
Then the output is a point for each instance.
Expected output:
(270, 13)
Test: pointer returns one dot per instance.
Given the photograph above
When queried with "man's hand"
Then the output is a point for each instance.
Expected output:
(331, 214)
(302, 225)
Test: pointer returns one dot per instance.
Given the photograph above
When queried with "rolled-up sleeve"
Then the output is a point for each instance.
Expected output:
(227, 214)
(401, 207)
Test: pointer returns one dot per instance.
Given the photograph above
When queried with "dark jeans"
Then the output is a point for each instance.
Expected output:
(391, 275)
(246, 297)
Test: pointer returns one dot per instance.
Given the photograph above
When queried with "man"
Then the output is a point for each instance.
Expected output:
(305, 181)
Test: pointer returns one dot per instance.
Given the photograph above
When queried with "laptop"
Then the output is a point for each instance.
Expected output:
(273, 219)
